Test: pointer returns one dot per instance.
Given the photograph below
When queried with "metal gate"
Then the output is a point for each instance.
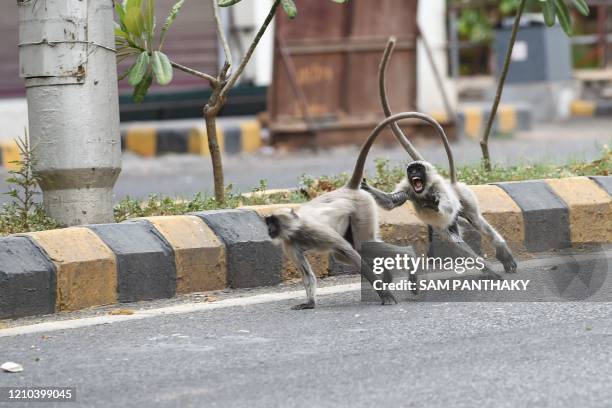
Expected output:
(325, 89)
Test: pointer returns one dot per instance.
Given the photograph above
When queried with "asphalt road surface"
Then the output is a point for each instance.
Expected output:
(185, 175)
(248, 349)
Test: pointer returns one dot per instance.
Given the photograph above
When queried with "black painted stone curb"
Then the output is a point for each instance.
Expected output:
(546, 215)
(603, 108)
(232, 137)
(145, 261)
(173, 141)
(604, 182)
(252, 259)
(27, 279)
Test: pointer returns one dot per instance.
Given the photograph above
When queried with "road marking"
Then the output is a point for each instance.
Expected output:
(172, 310)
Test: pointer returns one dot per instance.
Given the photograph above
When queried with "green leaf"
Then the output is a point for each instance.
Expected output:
(120, 33)
(127, 5)
(289, 7)
(227, 3)
(140, 91)
(174, 11)
(134, 21)
(149, 20)
(162, 68)
(121, 14)
(139, 69)
(548, 10)
(564, 16)
(582, 7)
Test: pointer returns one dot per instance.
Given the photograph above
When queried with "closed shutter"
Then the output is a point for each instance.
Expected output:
(10, 82)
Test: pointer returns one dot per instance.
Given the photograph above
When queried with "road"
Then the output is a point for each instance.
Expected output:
(248, 349)
(185, 175)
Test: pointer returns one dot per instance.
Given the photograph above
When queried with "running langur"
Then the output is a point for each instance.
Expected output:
(336, 222)
(438, 202)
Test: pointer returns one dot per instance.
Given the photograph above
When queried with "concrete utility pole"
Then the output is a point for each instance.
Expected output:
(68, 61)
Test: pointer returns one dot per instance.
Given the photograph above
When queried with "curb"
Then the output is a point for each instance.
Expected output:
(149, 141)
(159, 257)
(510, 118)
(584, 108)
(9, 153)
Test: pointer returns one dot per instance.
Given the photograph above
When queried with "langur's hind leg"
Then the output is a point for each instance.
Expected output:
(347, 254)
(502, 251)
(463, 250)
(308, 276)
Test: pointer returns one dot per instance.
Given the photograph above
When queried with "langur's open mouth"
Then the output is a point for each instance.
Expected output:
(417, 184)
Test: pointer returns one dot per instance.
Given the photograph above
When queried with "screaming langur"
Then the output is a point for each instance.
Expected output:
(336, 222)
(438, 202)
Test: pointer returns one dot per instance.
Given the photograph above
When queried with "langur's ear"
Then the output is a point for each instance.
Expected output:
(293, 214)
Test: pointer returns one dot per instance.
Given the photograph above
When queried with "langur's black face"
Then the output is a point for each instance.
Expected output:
(416, 177)
(273, 226)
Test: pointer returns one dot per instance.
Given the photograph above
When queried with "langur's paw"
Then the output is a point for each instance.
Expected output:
(387, 298)
(505, 257)
(510, 266)
(303, 306)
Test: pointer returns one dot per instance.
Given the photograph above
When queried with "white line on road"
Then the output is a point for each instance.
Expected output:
(172, 310)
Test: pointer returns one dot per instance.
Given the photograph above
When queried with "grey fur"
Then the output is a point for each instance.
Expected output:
(324, 223)
(439, 205)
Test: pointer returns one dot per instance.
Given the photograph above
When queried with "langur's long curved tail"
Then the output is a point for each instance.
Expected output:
(399, 135)
(357, 175)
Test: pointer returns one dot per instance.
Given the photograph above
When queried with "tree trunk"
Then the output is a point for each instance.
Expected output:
(484, 142)
(210, 115)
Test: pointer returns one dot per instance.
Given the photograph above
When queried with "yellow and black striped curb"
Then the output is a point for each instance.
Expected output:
(9, 154)
(234, 138)
(160, 257)
(510, 118)
(591, 108)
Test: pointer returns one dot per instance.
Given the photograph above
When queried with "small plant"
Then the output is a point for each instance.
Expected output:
(135, 38)
(23, 214)
(157, 205)
(552, 10)
(15, 219)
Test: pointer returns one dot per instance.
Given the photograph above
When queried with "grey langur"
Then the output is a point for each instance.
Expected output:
(438, 202)
(336, 222)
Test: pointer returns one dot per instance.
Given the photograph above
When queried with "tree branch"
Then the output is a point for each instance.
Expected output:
(484, 142)
(249, 53)
(213, 81)
(228, 54)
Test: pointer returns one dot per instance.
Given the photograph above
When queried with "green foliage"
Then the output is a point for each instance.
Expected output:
(139, 69)
(135, 37)
(135, 33)
(15, 219)
(476, 22)
(289, 7)
(162, 68)
(174, 12)
(158, 205)
(386, 176)
(23, 214)
(227, 3)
